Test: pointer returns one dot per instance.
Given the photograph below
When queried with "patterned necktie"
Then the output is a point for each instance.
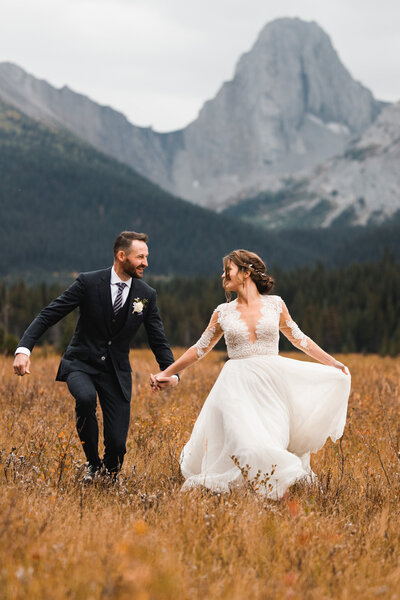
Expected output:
(118, 300)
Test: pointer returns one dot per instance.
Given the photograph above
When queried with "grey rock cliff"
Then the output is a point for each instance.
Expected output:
(359, 187)
(290, 105)
(362, 187)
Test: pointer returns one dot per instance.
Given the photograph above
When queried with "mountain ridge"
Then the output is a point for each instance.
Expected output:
(290, 105)
(63, 203)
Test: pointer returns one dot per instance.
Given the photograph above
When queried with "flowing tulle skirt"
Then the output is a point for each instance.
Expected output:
(265, 414)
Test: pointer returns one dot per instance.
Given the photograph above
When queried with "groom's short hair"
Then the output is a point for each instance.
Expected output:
(125, 239)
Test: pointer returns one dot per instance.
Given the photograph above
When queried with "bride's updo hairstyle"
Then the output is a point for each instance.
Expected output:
(250, 261)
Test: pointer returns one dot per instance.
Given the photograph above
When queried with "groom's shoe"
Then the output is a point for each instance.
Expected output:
(90, 474)
(108, 477)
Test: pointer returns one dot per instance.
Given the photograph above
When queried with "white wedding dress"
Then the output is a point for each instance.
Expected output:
(267, 411)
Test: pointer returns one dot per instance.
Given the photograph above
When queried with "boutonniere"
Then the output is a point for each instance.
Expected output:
(138, 306)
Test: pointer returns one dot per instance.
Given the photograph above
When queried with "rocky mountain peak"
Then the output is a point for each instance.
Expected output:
(296, 66)
(291, 105)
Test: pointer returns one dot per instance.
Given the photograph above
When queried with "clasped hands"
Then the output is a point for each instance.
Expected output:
(161, 382)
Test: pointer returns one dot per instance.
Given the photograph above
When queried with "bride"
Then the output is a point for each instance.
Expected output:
(265, 413)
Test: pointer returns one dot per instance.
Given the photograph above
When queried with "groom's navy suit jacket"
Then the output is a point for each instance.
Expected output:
(100, 340)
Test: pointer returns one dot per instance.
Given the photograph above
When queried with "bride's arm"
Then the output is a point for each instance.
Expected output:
(294, 334)
(211, 335)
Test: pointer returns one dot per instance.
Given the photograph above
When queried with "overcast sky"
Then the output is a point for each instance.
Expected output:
(157, 61)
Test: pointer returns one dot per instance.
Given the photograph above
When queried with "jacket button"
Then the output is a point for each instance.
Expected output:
(103, 358)
(109, 343)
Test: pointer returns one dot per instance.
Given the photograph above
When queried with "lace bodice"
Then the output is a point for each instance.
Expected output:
(227, 320)
(236, 332)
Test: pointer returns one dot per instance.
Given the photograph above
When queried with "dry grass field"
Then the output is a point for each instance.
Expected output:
(142, 539)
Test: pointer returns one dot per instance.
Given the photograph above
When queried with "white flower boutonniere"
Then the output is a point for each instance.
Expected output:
(138, 306)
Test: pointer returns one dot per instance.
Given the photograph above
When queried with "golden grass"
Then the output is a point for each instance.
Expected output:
(143, 539)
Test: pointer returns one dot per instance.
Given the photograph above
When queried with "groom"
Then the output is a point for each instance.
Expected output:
(113, 303)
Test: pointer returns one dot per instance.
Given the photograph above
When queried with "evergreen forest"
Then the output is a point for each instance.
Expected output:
(346, 309)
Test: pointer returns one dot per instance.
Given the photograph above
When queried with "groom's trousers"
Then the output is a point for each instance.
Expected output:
(116, 413)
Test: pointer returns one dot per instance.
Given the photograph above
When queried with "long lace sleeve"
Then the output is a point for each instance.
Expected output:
(211, 335)
(292, 331)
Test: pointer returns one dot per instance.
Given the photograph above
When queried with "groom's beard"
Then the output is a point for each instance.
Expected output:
(132, 271)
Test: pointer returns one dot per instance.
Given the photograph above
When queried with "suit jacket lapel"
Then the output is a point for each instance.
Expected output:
(105, 298)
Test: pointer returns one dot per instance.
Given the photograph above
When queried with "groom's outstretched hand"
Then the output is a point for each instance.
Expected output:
(22, 364)
(161, 382)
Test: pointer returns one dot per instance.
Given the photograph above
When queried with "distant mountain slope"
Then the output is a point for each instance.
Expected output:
(359, 187)
(362, 186)
(62, 203)
(290, 105)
